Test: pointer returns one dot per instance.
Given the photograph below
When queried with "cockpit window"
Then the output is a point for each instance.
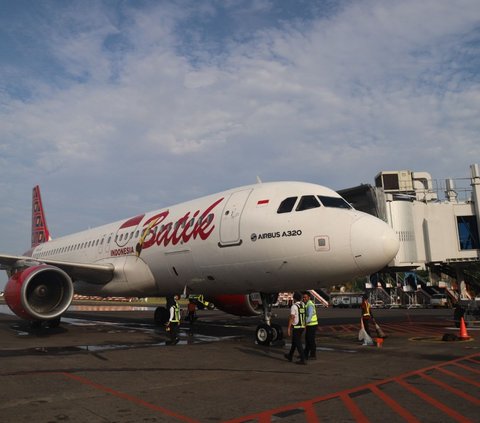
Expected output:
(286, 205)
(307, 202)
(336, 202)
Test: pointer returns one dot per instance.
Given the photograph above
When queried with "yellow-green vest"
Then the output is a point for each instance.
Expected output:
(176, 313)
(301, 316)
(314, 320)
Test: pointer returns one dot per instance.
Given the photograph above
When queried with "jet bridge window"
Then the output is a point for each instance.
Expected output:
(286, 206)
(336, 202)
(468, 232)
(307, 202)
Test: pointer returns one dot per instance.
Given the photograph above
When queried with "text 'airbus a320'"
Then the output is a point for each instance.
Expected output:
(231, 246)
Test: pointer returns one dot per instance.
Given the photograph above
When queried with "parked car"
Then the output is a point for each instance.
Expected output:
(439, 300)
(378, 304)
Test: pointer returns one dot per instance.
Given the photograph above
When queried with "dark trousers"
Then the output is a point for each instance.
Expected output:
(297, 343)
(310, 344)
(174, 329)
(366, 325)
(191, 317)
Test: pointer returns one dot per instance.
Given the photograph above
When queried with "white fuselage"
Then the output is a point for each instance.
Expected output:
(234, 242)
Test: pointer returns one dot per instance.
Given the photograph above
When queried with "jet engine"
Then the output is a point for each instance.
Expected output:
(39, 293)
(239, 305)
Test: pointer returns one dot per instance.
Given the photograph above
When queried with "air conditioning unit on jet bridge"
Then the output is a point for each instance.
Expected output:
(395, 181)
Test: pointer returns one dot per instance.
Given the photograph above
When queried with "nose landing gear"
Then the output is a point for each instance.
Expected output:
(268, 332)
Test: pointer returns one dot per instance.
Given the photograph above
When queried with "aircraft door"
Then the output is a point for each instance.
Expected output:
(100, 245)
(230, 222)
(108, 241)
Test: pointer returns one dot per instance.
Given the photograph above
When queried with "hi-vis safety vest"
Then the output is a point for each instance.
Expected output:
(365, 309)
(176, 313)
(314, 320)
(301, 316)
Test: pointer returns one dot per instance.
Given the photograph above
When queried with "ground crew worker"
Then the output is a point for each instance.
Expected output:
(174, 319)
(311, 322)
(191, 307)
(366, 314)
(296, 326)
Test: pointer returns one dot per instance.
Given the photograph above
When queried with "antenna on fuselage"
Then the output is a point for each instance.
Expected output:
(259, 181)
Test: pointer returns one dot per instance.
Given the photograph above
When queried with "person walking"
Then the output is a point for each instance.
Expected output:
(296, 326)
(366, 315)
(174, 320)
(311, 322)
(191, 308)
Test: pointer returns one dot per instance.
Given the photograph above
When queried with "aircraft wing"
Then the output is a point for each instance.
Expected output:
(88, 272)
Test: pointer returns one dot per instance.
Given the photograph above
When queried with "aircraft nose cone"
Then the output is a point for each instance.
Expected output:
(374, 243)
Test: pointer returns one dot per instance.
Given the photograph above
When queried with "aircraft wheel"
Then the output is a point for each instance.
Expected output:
(211, 306)
(161, 316)
(264, 334)
(277, 332)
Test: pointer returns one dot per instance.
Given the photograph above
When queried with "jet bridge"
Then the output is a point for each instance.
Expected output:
(437, 223)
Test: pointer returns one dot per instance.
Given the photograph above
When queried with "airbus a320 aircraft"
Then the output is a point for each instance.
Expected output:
(231, 246)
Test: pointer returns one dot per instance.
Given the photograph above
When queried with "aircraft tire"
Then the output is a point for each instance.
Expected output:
(161, 316)
(277, 332)
(264, 334)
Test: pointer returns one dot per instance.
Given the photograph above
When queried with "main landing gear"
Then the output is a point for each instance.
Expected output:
(268, 332)
(43, 324)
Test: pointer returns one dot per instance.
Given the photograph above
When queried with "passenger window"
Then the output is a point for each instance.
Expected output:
(337, 202)
(286, 206)
(307, 202)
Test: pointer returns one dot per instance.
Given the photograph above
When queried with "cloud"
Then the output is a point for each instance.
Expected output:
(144, 105)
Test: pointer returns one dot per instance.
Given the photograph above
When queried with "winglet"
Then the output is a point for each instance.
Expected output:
(39, 223)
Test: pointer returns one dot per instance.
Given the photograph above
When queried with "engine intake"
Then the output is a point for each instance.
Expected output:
(39, 292)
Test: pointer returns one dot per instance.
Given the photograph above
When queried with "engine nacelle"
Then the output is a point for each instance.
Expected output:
(239, 305)
(39, 292)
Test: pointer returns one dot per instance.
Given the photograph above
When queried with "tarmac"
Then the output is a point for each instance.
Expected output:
(111, 364)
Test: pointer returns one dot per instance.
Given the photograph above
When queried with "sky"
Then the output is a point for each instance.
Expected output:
(119, 107)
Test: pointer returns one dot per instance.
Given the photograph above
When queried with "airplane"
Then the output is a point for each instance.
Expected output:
(238, 248)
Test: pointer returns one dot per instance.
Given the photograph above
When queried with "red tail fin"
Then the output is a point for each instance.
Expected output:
(39, 223)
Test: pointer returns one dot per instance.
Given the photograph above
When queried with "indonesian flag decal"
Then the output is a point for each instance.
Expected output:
(262, 202)
(134, 221)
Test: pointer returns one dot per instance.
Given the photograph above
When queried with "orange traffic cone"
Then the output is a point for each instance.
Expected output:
(463, 331)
